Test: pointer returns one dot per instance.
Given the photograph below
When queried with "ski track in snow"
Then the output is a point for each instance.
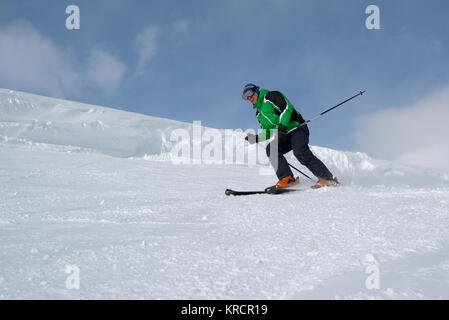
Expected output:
(147, 229)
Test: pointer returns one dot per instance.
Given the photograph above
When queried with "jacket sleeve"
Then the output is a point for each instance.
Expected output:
(264, 135)
(281, 106)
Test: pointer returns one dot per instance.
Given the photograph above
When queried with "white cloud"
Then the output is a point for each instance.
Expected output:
(30, 61)
(146, 45)
(104, 71)
(418, 134)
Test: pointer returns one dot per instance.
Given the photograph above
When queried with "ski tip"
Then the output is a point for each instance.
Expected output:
(228, 192)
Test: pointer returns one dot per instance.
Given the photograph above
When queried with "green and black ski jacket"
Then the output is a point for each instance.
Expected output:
(274, 110)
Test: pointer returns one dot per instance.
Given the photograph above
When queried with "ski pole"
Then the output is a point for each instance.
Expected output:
(299, 171)
(319, 116)
(324, 112)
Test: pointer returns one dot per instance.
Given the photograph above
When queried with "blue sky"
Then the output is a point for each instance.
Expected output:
(188, 60)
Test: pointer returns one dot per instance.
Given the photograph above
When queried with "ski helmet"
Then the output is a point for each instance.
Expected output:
(249, 90)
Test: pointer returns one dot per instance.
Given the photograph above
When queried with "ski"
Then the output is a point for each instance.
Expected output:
(270, 190)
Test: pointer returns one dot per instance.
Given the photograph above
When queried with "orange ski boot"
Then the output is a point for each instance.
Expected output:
(287, 182)
(326, 183)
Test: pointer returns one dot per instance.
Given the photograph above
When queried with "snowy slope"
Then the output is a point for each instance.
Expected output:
(77, 187)
(55, 121)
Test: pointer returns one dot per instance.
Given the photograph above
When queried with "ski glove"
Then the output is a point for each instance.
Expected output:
(282, 134)
(252, 138)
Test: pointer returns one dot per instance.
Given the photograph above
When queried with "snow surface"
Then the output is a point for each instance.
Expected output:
(93, 187)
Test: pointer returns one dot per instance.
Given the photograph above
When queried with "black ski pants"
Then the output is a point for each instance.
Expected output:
(298, 141)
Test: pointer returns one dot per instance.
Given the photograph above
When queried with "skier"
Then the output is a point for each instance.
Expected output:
(275, 112)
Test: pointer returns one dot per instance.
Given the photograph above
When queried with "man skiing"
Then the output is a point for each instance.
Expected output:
(275, 112)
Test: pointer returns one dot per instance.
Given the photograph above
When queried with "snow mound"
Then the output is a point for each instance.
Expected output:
(37, 119)
(361, 169)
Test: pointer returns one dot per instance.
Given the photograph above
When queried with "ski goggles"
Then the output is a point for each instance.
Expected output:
(248, 94)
